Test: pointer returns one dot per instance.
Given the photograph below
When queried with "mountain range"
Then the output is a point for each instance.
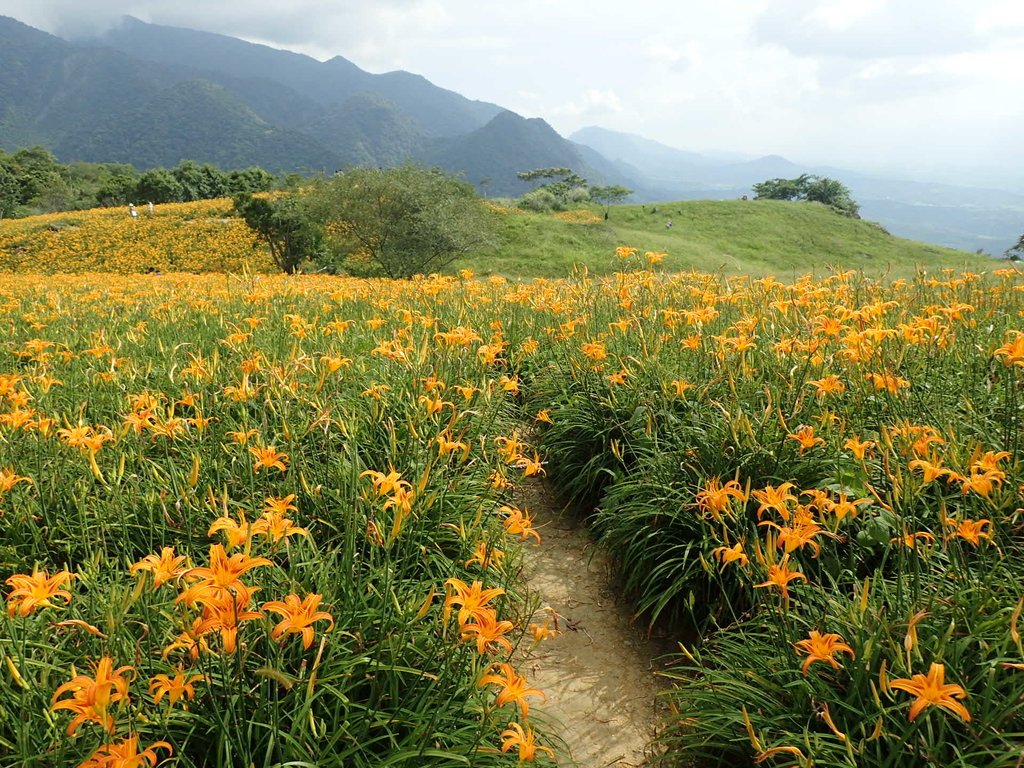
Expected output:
(153, 95)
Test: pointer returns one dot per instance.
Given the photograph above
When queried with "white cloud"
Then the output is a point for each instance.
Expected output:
(594, 104)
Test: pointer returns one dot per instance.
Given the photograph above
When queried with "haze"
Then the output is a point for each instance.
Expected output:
(919, 88)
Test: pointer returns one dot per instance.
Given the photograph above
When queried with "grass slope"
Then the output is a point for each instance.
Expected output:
(731, 236)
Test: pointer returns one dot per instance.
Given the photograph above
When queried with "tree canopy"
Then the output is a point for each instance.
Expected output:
(817, 189)
(399, 221)
(285, 226)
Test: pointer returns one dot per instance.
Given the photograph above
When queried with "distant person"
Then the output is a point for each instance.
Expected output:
(149, 207)
(132, 212)
(668, 224)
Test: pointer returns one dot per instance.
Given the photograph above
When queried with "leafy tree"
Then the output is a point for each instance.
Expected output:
(405, 220)
(36, 170)
(159, 185)
(199, 182)
(818, 189)
(782, 189)
(1016, 251)
(9, 192)
(830, 192)
(253, 179)
(119, 188)
(609, 196)
(564, 185)
(285, 226)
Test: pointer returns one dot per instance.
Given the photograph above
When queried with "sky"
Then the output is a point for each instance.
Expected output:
(927, 88)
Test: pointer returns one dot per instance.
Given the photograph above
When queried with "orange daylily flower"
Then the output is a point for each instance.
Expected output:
(774, 498)
(165, 567)
(222, 577)
(489, 631)
(298, 616)
(531, 467)
(514, 688)
(485, 556)
(224, 613)
(35, 591)
(806, 438)
(888, 382)
(8, 479)
(716, 497)
(1012, 352)
(731, 554)
(932, 470)
(910, 540)
(972, 531)
(524, 739)
(275, 526)
(269, 457)
(125, 754)
(819, 647)
(931, 689)
(385, 484)
(472, 600)
(859, 448)
(518, 523)
(830, 385)
(237, 532)
(181, 686)
(779, 575)
(92, 696)
(191, 639)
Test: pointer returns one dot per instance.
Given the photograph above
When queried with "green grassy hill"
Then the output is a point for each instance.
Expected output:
(732, 236)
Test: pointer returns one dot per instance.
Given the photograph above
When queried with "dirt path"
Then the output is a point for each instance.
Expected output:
(598, 673)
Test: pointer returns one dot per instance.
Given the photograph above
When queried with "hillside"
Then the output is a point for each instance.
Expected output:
(146, 138)
(508, 144)
(967, 218)
(730, 236)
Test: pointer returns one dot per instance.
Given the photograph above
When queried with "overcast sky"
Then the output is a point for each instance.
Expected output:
(882, 84)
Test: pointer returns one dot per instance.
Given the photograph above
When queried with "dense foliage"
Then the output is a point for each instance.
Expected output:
(815, 189)
(33, 182)
(820, 481)
(248, 522)
(399, 221)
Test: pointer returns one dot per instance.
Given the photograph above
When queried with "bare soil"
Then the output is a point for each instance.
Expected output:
(599, 672)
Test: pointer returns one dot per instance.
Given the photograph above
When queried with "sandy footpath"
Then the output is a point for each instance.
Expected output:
(598, 673)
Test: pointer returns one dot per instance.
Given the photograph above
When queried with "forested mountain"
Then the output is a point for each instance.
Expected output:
(151, 96)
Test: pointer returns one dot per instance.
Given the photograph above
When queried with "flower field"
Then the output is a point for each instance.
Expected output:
(177, 237)
(270, 520)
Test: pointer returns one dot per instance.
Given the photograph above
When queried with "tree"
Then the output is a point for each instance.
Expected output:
(36, 170)
(836, 195)
(159, 185)
(406, 220)
(199, 182)
(565, 184)
(609, 196)
(1016, 251)
(9, 192)
(817, 189)
(285, 226)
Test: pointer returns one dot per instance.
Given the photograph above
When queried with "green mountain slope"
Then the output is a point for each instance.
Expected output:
(178, 121)
(438, 110)
(505, 146)
(730, 236)
(368, 130)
